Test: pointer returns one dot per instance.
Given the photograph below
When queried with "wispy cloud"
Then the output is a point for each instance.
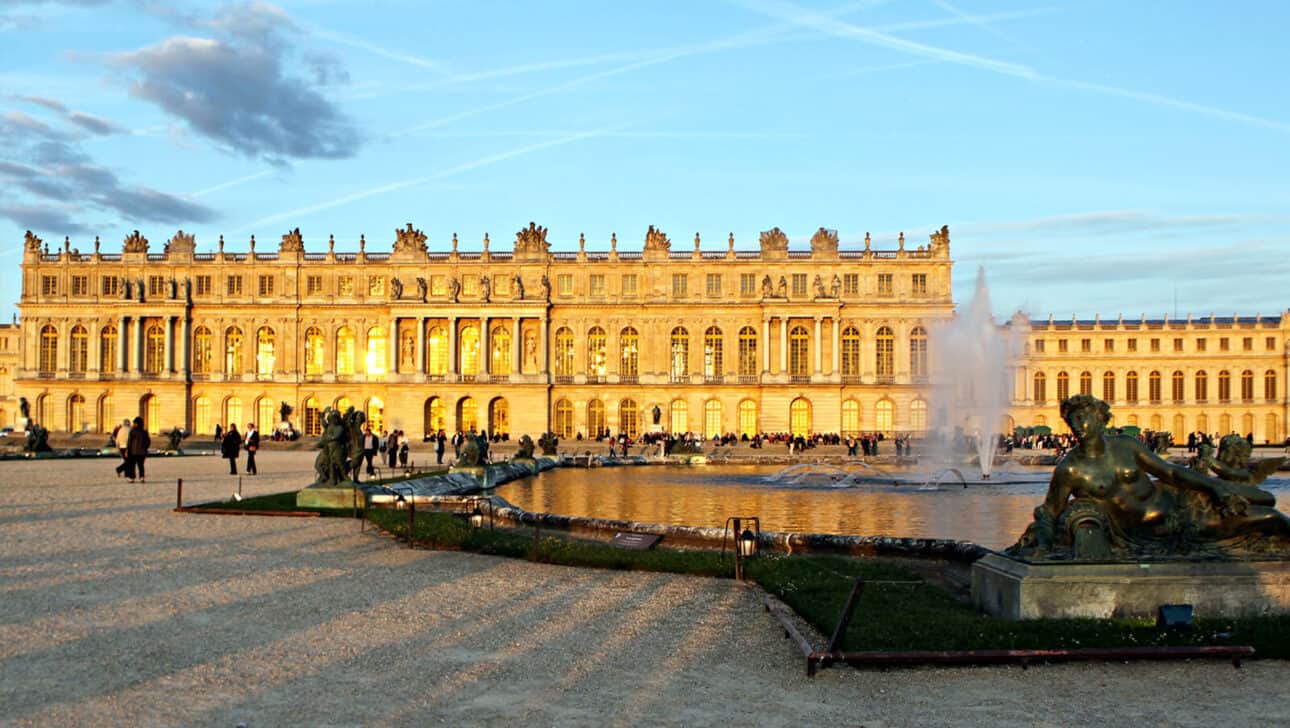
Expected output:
(980, 21)
(1112, 221)
(232, 183)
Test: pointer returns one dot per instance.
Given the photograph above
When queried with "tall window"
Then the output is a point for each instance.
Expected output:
(79, 353)
(202, 424)
(232, 411)
(264, 352)
(1063, 386)
(151, 406)
(376, 413)
(345, 351)
(748, 365)
(1224, 388)
(628, 418)
(747, 418)
(437, 351)
(596, 347)
(203, 351)
(314, 351)
(76, 413)
(884, 416)
(1177, 385)
(154, 352)
(1040, 388)
(595, 418)
(436, 417)
(712, 419)
(713, 358)
(918, 417)
(850, 417)
(680, 354)
(499, 417)
(499, 358)
(851, 353)
(918, 351)
(107, 350)
(468, 350)
(48, 360)
(628, 353)
(266, 414)
(377, 353)
(564, 352)
(1086, 383)
(1131, 387)
(1270, 390)
(1108, 386)
(799, 416)
(1202, 386)
(233, 352)
(799, 352)
(563, 424)
(680, 417)
(105, 417)
(313, 418)
(885, 341)
(1247, 388)
(1153, 387)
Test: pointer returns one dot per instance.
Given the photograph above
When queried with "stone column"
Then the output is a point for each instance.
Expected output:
(167, 365)
(783, 344)
(122, 345)
(185, 346)
(765, 346)
(452, 345)
(819, 347)
(837, 348)
(544, 367)
(517, 347)
(421, 345)
(485, 358)
(392, 348)
(137, 344)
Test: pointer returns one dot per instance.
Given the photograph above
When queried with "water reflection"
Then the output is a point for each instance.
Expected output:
(991, 515)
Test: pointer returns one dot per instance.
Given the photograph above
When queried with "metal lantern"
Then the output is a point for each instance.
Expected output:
(747, 543)
(477, 517)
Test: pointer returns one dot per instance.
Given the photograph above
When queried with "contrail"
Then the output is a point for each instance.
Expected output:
(232, 183)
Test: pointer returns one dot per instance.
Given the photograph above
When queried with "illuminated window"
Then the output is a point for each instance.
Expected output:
(680, 353)
(850, 417)
(345, 352)
(885, 344)
(313, 418)
(918, 352)
(438, 285)
(563, 424)
(884, 416)
(748, 364)
(564, 352)
(232, 411)
(154, 351)
(468, 346)
(712, 419)
(79, 352)
(747, 418)
(314, 351)
(799, 416)
(436, 415)
(713, 356)
(499, 342)
(595, 418)
(628, 352)
(202, 423)
(1040, 388)
(376, 413)
(376, 287)
(499, 417)
(799, 352)
(107, 349)
(918, 417)
(48, 360)
(344, 285)
(437, 356)
(851, 353)
(264, 354)
(76, 413)
(266, 415)
(596, 348)
(680, 417)
(628, 421)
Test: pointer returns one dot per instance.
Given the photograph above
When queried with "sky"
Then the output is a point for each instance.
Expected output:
(1095, 157)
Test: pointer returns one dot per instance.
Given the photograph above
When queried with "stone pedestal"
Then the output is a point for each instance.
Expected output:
(1014, 589)
(344, 495)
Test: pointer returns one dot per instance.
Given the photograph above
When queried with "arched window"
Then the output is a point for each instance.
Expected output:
(1157, 423)
(850, 417)
(712, 419)
(918, 417)
(748, 364)
(499, 358)
(628, 418)
(203, 351)
(1133, 421)
(884, 416)
(376, 413)
(437, 356)
(918, 352)
(799, 352)
(154, 351)
(597, 366)
(265, 342)
(713, 354)
(1180, 426)
(1131, 387)
(628, 353)
(436, 418)
(377, 354)
(76, 413)
(106, 419)
(232, 352)
(313, 417)
(1041, 388)
(314, 352)
(595, 418)
(1224, 424)
(468, 350)
(1247, 423)
(1271, 431)
(564, 352)
(202, 424)
(885, 347)
(78, 354)
(1202, 387)
(467, 415)
(266, 415)
(499, 417)
(1108, 386)
(107, 350)
(1224, 388)
(343, 404)
(1270, 389)
(1177, 386)
(345, 351)
(151, 409)
(1086, 383)
(233, 412)
(747, 418)
(1247, 388)
(1063, 386)
(851, 354)
(799, 416)
(680, 354)
(45, 411)
(1153, 389)
(563, 425)
(48, 360)
(680, 417)
(1202, 423)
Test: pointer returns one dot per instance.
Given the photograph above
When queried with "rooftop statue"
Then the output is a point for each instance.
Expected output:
(181, 242)
(31, 242)
(774, 239)
(657, 240)
(409, 240)
(531, 241)
(1111, 498)
(135, 243)
(292, 242)
(824, 242)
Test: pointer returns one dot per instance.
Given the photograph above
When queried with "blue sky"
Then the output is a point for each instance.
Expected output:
(1095, 157)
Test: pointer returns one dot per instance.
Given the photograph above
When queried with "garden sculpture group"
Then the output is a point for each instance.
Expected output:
(1111, 498)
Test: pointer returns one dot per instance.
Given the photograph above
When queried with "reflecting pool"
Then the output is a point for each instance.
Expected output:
(992, 515)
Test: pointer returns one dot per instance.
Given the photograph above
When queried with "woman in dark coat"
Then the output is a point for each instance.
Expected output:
(231, 447)
(136, 450)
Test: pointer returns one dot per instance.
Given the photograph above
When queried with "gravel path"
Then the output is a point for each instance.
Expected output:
(116, 611)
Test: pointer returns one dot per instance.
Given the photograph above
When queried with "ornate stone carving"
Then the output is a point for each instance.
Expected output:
(31, 243)
(421, 289)
(657, 240)
(824, 241)
(774, 240)
(181, 242)
(396, 289)
(292, 242)
(941, 240)
(517, 288)
(135, 243)
(819, 287)
(409, 240)
(531, 241)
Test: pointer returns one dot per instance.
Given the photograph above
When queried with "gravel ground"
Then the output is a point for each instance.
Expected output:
(116, 611)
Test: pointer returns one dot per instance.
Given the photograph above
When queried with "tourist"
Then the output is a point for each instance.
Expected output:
(219, 432)
(137, 451)
(231, 447)
(370, 445)
(440, 441)
(392, 448)
(252, 445)
(404, 449)
(121, 436)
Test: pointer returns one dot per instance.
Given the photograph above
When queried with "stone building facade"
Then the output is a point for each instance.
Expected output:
(520, 340)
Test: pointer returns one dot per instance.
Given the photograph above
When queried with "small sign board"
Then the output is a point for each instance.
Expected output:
(635, 541)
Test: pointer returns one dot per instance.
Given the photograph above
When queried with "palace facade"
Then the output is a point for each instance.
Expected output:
(527, 339)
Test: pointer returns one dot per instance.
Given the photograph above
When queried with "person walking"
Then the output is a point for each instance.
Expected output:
(392, 449)
(219, 432)
(231, 446)
(370, 443)
(439, 445)
(137, 451)
(121, 436)
(252, 446)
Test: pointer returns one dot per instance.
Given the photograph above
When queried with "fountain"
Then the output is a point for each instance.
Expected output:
(971, 383)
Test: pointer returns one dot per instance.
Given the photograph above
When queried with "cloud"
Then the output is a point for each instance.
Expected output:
(237, 90)
(88, 122)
